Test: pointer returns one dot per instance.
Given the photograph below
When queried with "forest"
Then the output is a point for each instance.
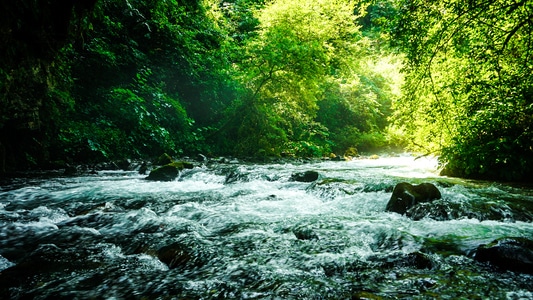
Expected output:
(101, 80)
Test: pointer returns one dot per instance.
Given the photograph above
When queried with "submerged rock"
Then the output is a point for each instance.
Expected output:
(168, 172)
(405, 196)
(48, 261)
(510, 253)
(235, 176)
(442, 210)
(330, 188)
(439, 210)
(305, 233)
(174, 255)
(178, 255)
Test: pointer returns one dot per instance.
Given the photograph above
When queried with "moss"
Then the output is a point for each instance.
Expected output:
(181, 165)
(169, 171)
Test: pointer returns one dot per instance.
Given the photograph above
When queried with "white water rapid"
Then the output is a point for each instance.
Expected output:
(247, 231)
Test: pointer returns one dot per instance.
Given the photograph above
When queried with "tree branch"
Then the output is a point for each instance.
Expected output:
(514, 31)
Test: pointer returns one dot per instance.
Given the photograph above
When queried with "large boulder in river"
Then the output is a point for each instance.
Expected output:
(511, 253)
(168, 172)
(405, 196)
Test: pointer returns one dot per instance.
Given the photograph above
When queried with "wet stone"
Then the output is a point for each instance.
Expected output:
(235, 176)
(419, 260)
(330, 188)
(307, 176)
(305, 233)
(439, 210)
(512, 253)
(405, 196)
(182, 256)
(443, 210)
(415, 260)
(168, 172)
(47, 259)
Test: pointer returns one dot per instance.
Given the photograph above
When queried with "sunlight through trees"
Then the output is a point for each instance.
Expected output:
(104, 80)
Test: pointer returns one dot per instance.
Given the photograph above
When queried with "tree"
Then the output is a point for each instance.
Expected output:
(469, 83)
(150, 80)
(139, 78)
(299, 45)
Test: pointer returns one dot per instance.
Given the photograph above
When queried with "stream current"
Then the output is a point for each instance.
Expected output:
(247, 231)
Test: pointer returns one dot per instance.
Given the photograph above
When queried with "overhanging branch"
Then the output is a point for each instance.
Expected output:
(514, 31)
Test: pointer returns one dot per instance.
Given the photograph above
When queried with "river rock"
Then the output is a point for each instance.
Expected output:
(307, 176)
(70, 171)
(416, 260)
(510, 253)
(182, 256)
(143, 168)
(125, 164)
(439, 210)
(405, 196)
(235, 175)
(46, 261)
(168, 172)
(305, 233)
(174, 255)
(201, 158)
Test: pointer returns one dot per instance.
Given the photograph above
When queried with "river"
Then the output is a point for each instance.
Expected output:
(247, 231)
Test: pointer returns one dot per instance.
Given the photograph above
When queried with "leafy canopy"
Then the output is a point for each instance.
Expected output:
(469, 83)
(300, 46)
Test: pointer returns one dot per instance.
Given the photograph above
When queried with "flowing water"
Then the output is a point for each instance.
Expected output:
(247, 231)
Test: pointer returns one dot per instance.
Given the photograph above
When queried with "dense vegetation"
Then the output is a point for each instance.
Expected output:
(105, 80)
(469, 84)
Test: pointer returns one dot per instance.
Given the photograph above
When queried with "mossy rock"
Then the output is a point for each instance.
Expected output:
(351, 152)
(169, 171)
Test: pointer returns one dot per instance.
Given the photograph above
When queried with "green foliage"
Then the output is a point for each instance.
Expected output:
(252, 77)
(134, 122)
(497, 141)
(356, 108)
(310, 81)
(90, 142)
(240, 22)
(377, 22)
(151, 71)
(247, 77)
(469, 84)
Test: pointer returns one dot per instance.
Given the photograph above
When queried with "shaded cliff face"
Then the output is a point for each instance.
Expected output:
(32, 33)
(37, 29)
